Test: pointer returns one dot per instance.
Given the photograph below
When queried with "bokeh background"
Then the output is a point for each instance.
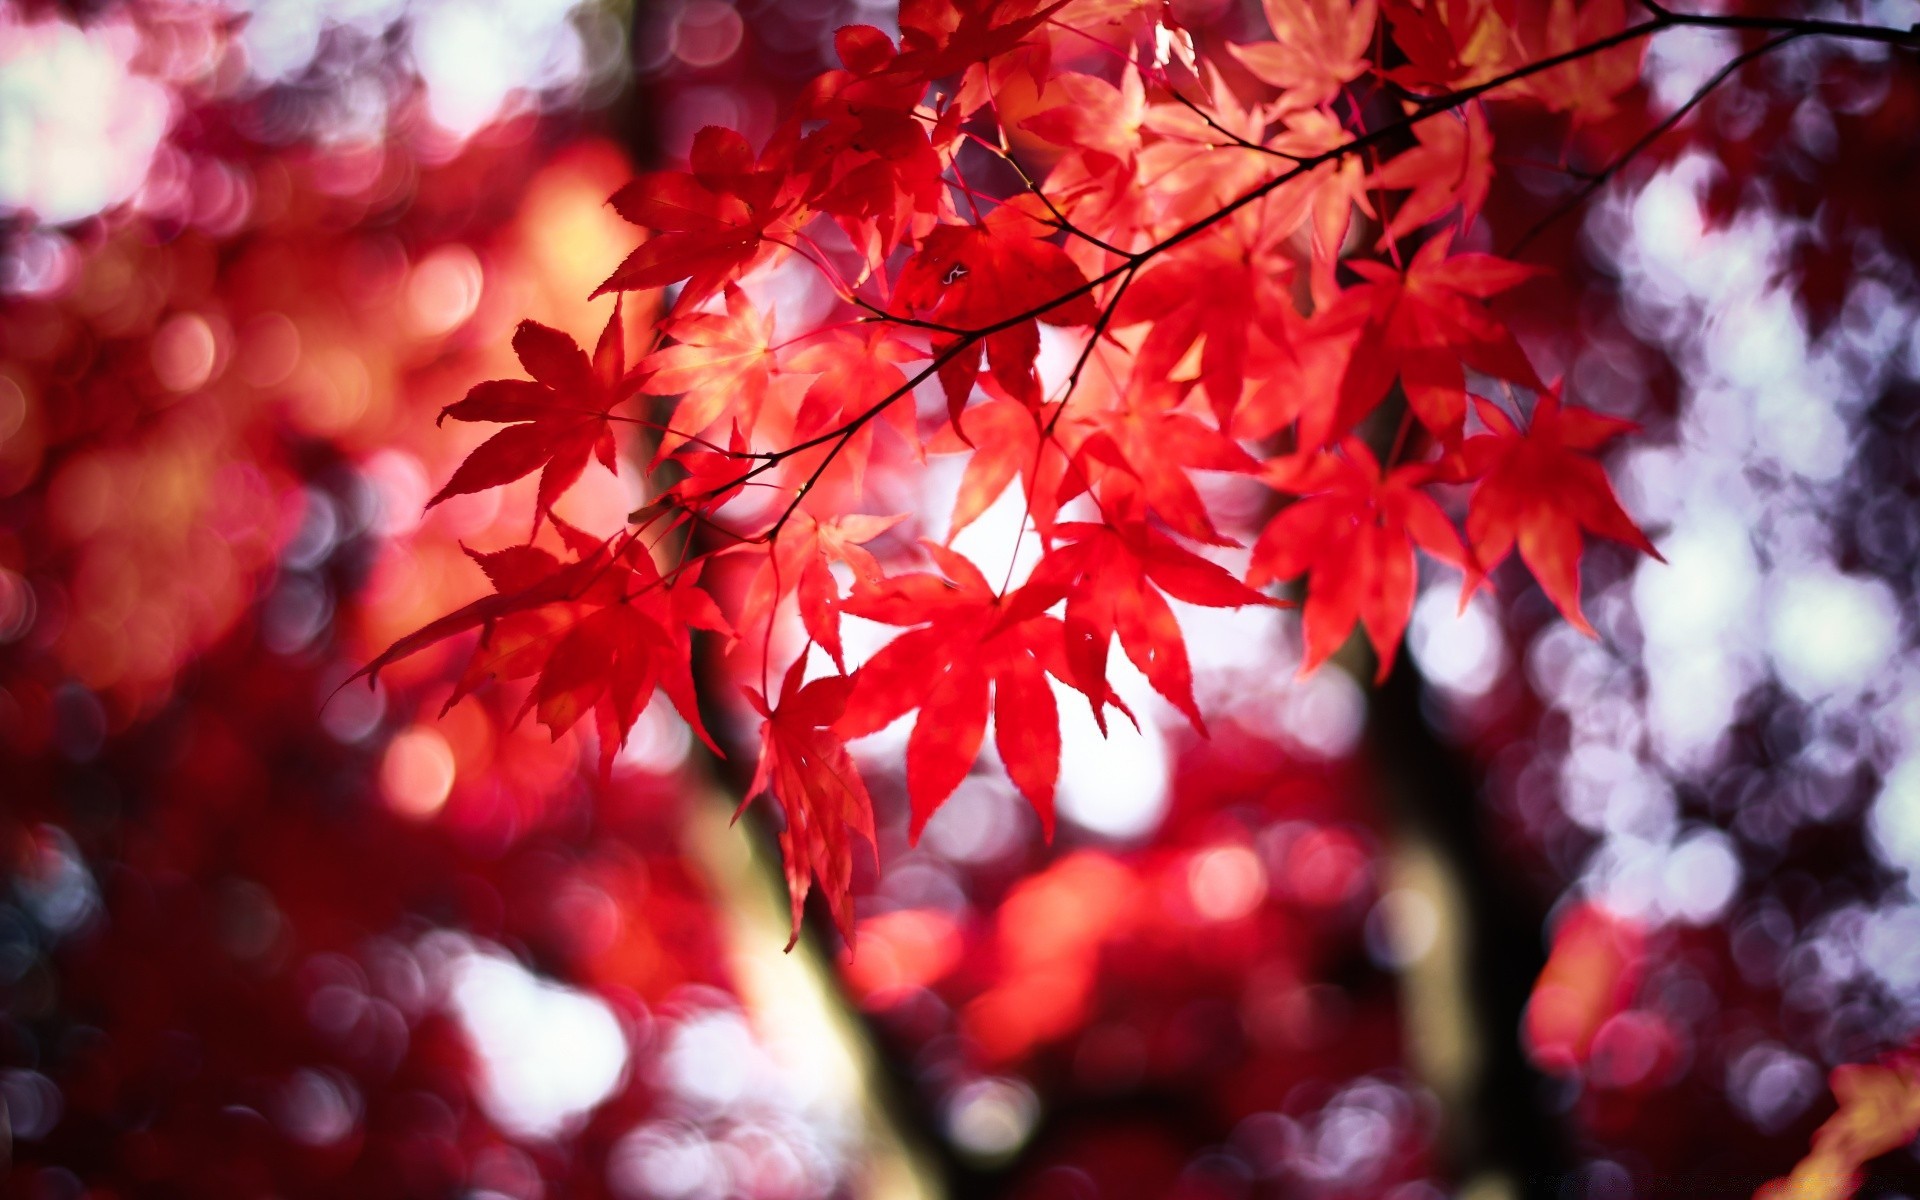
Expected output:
(1541, 915)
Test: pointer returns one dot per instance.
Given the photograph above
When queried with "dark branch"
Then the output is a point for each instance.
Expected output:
(1424, 110)
(1599, 179)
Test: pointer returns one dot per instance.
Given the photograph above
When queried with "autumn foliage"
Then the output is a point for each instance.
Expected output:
(1145, 510)
(1110, 267)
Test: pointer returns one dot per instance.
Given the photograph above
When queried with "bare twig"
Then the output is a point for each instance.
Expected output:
(1598, 180)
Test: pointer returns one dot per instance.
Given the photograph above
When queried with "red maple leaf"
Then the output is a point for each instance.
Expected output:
(973, 278)
(805, 766)
(1452, 165)
(559, 417)
(870, 163)
(1091, 118)
(1152, 448)
(1215, 291)
(1449, 44)
(1294, 373)
(598, 634)
(858, 371)
(800, 565)
(1318, 47)
(710, 223)
(939, 38)
(1007, 441)
(1538, 489)
(966, 645)
(1111, 578)
(712, 476)
(1354, 530)
(1421, 325)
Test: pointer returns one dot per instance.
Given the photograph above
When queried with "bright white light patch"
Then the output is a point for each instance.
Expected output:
(1700, 877)
(991, 1118)
(548, 1053)
(1460, 651)
(473, 57)
(1890, 946)
(1830, 633)
(713, 1062)
(77, 128)
(1697, 609)
(1114, 786)
(1895, 819)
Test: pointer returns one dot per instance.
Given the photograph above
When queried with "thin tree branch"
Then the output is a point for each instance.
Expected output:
(1423, 111)
(1599, 179)
(1229, 134)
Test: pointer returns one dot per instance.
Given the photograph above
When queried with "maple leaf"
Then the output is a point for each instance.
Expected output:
(1450, 44)
(1422, 325)
(1353, 532)
(1183, 174)
(711, 477)
(871, 163)
(1318, 47)
(1155, 447)
(630, 635)
(799, 565)
(1324, 197)
(1112, 578)
(1007, 442)
(1089, 117)
(1538, 489)
(599, 635)
(805, 766)
(1589, 85)
(558, 418)
(939, 38)
(1213, 292)
(979, 277)
(1294, 375)
(857, 371)
(710, 223)
(967, 646)
(720, 366)
(1452, 165)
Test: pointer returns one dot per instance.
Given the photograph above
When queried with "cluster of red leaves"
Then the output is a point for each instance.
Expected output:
(1187, 216)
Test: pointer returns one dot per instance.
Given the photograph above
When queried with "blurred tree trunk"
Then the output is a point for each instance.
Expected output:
(1465, 997)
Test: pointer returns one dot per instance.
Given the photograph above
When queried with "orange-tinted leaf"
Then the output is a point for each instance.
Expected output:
(720, 366)
(1318, 46)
